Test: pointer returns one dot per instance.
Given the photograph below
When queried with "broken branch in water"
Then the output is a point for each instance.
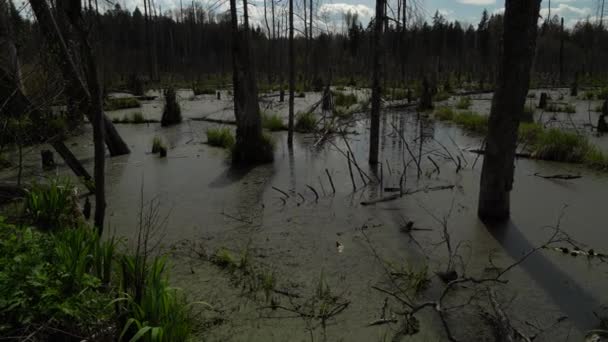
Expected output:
(411, 192)
(333, 188)
(315, 192)
(281, 191)
(559, 176)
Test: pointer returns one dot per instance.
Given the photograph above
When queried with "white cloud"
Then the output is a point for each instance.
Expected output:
(564, 10)
(477, 2)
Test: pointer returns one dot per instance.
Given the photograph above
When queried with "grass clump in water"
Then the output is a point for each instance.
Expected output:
(472, 121)
(563, 108)
(199, 89)
(441, 96)
(158, 145)
(272, 122)
(557, 145)
(220, 137)
(343, 99)
(444, 113)
(464, 102)
(133, 118)
(116, 103)
(305, 122)
(595, 159)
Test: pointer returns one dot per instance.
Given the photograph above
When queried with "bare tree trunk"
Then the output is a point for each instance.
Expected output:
(92, 92)
(292, 80)
(519, 43)
(374, 138)
(250, 148)
(71, 73)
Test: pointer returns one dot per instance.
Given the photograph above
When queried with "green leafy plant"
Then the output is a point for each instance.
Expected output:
(444, 113)
(158, 145)
(52, 205)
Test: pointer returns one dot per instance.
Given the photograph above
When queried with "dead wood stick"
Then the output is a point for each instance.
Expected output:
(436, 166)
(350, 170)
(281, 191)
(333, 188)
(411, 192)
(559, 176)
(315, 192)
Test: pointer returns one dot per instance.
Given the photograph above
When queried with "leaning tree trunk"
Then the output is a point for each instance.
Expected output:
(250, 147)
(11, 87)
(376, 83)
(71, 73)
(519, 43)
(292, 77)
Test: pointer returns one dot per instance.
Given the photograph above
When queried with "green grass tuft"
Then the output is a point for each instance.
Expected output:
(117, 103)
(472, 121)
(220, 137)
(464, 102)
(343, 99)
(51, 206)
(444, 113)
(305, 122)
(272, 122)
(158, 145)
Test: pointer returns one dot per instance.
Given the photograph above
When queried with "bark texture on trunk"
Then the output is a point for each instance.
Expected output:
(519, 44)
(71, 72)
(376, 83)
(11, 89)
(292, 76)
(250, 147)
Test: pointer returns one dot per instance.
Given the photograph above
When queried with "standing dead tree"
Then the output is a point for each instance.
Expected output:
(292, 76)
(89, 87)
(376, 82)
(60, 51)
(519, 43)
(251, 147)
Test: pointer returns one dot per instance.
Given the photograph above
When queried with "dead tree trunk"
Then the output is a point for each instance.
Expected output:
(519, 43)
(91, 89)
(71, 73)
(374, 139)
(250, 147)
(292, 82)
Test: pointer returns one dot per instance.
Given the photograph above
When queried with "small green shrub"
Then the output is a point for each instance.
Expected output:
(116, 103)
(529, 132)
(344, 100)
(342, 112)
(444, 113)
(48, 280)
(220, 137)
(305, 122)
(464, 102)
(272, 121)
(51, 206)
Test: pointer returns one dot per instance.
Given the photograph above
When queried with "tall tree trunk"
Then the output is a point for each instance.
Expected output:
(11, 87)
(519, 44)
(374, 138)
(71, 73)
(251, 147)
(292, 81)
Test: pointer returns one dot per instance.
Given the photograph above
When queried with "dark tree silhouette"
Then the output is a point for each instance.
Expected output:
(520, 29)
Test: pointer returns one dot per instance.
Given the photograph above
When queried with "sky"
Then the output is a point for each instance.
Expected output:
(330, 12)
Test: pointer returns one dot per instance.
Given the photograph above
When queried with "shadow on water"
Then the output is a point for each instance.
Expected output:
(573, 300)
(231, 175)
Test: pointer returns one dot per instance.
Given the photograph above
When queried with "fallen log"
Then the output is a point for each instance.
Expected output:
(517, 154)
(410, 192)
(73, 163)
(220, 121)
(559, 176)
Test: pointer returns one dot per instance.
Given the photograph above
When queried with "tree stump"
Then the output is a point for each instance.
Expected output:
(602, 126)
(409, 95)
(219, 95)
(282, 95)
(163, 152)
(426, 97)
(48, 161)
(574, 89)
(542, 104)
(172, 113)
